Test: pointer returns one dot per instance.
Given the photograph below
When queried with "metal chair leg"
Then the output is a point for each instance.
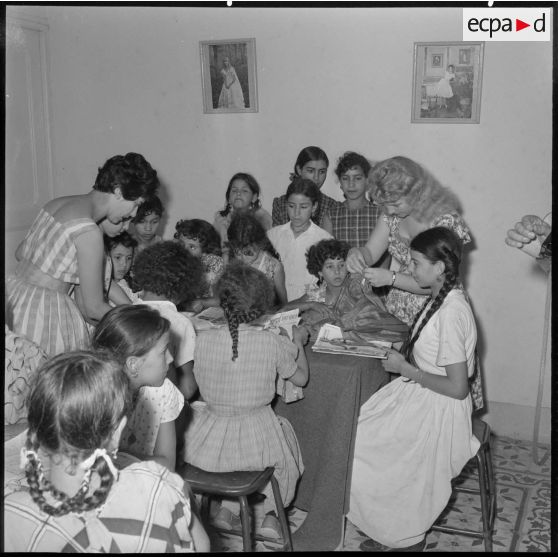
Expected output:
(282, 516)
(246, 524)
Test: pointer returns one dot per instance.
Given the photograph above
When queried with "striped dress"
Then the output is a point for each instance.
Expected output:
(47, 316)
(146, 512)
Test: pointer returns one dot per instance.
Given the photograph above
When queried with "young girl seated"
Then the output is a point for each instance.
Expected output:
(146, 222)
(202, 241)
(414, 436)
(77, 500)
(343, 299)
(169, 275)
(120, 250)
(236, 369)
(292, 240)
(249, 244)
(138, 338)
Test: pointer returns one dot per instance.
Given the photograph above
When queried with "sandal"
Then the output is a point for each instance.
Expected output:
(271, 527)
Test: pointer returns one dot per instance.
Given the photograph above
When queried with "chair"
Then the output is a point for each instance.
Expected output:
(486, 490)
(238, 485)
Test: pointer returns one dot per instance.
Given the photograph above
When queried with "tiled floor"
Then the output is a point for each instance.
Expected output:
(523, 509)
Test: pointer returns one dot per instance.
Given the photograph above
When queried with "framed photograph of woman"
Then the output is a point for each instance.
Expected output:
(228, 70)
(447, 82)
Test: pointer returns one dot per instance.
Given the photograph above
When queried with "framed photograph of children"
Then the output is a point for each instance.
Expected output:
(447, 82)
(228, 70)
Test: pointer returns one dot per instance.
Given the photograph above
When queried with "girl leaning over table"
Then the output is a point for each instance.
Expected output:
(415, 434)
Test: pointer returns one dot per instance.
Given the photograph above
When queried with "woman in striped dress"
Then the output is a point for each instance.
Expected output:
(64, 248)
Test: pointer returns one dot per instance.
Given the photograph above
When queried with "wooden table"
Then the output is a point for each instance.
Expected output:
(325, 424)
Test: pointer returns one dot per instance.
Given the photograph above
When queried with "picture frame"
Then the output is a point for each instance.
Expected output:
(229, 81)
(447, 82)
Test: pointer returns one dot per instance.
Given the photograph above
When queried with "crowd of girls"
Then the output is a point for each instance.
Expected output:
(118, 365)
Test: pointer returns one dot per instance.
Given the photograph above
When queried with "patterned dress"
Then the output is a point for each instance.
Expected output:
(354, 225)
(236, 429)
(145, 512)
(46, 314)
(213, 267)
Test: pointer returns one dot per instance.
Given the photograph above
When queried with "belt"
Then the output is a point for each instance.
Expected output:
(30, 273)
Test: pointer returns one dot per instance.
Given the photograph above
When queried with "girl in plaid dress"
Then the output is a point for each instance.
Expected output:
(236, 368)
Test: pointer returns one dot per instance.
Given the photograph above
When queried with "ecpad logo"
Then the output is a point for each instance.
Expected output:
(506, 24)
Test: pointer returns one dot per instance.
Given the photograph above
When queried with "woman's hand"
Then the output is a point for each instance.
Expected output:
(528, 229)
(378, 277)
(355, 261)
(395, 362)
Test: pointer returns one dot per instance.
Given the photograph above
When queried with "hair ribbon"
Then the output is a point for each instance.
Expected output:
(100, 452)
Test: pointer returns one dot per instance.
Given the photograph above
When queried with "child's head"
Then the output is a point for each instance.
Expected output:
(121, 251)
(312, 163)
(245, 294)
(198, 237)
(77, 405)
(247, 238)
(435, 253)
(148, 218)
(137, 336)
(352, 171)
(243, 193)
(326, 261)
(303, 198)
(168, 270)
(451, 68)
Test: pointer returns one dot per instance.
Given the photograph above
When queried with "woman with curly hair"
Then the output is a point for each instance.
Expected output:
(202, 240)
(78, 501)
(236, 368)
(412, 200)
(64, 248)
(169, 275)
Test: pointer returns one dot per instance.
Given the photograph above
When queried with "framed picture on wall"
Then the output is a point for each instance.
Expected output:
(228, 70)
(447, 82)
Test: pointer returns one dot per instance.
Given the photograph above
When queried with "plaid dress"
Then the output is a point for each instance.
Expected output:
(46, 316)
(146, 512)
(354, 226)
(236, 428)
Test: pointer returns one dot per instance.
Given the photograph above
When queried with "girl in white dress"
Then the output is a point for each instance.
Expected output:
(231, 93)
(443, 88)
(415, 434)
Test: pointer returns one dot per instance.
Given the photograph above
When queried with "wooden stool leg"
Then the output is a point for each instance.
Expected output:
(491, 485)
(204, 511)
(282, 516)
(246, 524)
(485, 508)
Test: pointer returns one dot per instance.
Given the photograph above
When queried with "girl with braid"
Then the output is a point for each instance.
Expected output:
(77, 500)
(236, 368)
(415, 434)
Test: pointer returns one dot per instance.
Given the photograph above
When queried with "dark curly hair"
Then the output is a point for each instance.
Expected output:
(150, 206)
(75, 406)
(135, 177)
(435, 244)
(124, 238)
(167, 269)
(351, 159)
(202, 231)
(252, 184)
(318, 253)
(246, 230)
(245, 294)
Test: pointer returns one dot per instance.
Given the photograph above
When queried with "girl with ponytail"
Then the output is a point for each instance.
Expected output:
(415, 434)
(236, 369)
(78, 501)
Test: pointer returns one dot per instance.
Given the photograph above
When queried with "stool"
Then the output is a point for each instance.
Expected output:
(487, 489)
(238, 485)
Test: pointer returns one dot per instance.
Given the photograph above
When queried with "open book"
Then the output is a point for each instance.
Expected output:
(330, 340)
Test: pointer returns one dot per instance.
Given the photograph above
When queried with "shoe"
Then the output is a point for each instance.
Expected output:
(227, 520)
(370, 545)
(270, 527)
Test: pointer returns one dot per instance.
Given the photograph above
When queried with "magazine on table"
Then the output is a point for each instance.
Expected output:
(331, 340)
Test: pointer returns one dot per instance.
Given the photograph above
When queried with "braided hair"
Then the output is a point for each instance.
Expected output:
(437, 244)
(75, 406)
(245, 294)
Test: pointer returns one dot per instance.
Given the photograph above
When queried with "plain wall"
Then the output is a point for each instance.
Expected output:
(129, 79)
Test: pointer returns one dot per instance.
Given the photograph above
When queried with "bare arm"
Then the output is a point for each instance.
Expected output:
(300, 338)
(117, 295)
(165, 445)
(360, 258)
(90, 258)
(380, 277)
(327, 225)
(455, 384)
(185, 379)
(279, 282)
